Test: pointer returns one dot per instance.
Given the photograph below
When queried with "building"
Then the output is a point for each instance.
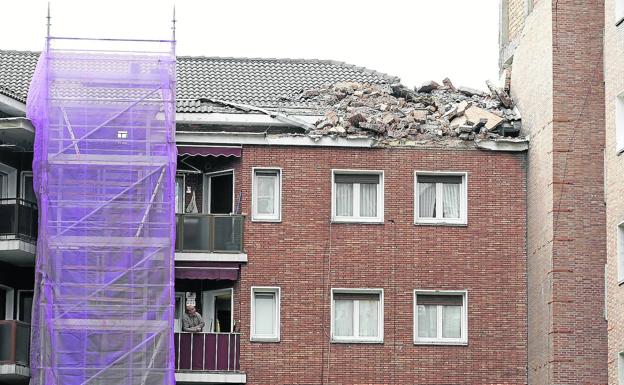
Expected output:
(551, 52)
(311, 257)
(614, 182)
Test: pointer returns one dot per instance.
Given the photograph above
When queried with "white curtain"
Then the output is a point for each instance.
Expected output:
(451, 321)
(179, 194)
(426, 200)
(344, 199)
(343, 318)
(369, 318)
(264, 313)
(266, 194)
(451, 200)
(368, 200)
(192, 206)
(427, 321)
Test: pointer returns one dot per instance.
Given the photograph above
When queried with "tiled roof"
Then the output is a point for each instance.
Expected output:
(258, 82)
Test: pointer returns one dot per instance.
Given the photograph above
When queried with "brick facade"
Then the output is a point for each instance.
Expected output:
(306, 255)
(557, 83)
(614, 85)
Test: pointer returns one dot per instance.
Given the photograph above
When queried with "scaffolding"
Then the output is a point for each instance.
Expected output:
(104, 167)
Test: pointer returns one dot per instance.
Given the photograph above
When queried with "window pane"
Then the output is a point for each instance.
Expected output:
(179, 195)
(343, 318)
(426, 200)
(451, 200)
(369, 318)
(264, 313)
(29, 192)
(25, 306)
(344, 199)
(451, 321)
(427, 321)
(368, 200)
(266, 193)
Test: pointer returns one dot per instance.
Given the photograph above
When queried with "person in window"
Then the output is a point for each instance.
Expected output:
(192, 321)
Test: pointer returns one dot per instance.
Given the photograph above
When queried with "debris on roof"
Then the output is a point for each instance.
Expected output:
(391, 113)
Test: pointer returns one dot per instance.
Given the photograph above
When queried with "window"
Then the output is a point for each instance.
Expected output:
(620, 252)
(27, 191)
(440, 317)
(619, 122)
(8, 177)
(357, 196)
(265, 314)
(357, 315)
(440, 198)
(179, 194)
(25, 302)
(266, 194)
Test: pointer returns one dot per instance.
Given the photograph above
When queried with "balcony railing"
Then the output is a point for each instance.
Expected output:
(212, 233)
(14, 342)
(19, 219)
(207, 352)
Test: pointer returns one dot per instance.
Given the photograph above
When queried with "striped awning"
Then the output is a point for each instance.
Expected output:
(210, 151)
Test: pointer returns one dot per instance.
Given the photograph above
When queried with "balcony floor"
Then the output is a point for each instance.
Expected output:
(193, 377)
(17, 252)
(14, 374)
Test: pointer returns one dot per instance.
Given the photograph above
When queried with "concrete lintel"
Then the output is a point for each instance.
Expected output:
(210, 257)
(506, 145)
(211, 378)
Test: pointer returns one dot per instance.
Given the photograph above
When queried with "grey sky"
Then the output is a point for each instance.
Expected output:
(417, 40)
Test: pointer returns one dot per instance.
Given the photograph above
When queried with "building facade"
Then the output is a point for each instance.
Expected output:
(552, 56)
(614, 182)
(311, 260)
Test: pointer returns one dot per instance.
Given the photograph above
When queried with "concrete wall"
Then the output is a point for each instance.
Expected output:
(614, 85)
(305, 255)
(556, 81)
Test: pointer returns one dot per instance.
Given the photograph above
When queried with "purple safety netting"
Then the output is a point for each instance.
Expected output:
(104, 164)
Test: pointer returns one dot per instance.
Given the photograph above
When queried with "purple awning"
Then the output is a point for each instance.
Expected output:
(209, 151)
(207, 270)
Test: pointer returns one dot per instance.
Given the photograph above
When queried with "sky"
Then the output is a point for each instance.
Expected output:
(416, 40)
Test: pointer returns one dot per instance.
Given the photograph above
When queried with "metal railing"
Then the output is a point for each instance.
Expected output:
(14, 342)
(207, 352)
(19, 219)
(219, 233)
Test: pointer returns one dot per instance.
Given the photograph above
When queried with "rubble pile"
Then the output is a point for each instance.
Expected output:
(393, 113)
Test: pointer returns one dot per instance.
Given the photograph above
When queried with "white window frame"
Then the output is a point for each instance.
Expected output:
(619, 12)
(23, 175)
(19, 300)
(380, 316)
(356, 218)
(10, 301)
(439, 219)
(264, 337)
(10, 191)
(182, 198)
(620, 368)
(207, 188)
(619, 122)
(619, 252)
(463, 340)
(277, 216)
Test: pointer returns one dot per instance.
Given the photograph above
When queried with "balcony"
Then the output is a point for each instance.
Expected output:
(210, 237)
(208, 358)
(14, 351)
(18, 231)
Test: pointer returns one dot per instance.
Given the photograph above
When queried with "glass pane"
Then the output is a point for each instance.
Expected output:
(266, 194)
(25, 306)
(344, 199)
(343, 318)
(264, 314)
(426, 200)
(369, 318)
(451, 321)
(427, 321)
(29, 192)
(368, 200)
(179, 195)
(196, 232)
(228, 233)
(451, 200)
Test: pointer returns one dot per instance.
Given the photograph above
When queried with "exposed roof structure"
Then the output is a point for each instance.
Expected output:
(266, 83)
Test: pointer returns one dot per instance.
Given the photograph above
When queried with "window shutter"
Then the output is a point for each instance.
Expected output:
(433, 299)
(357, 178)
(356, 296)
(451, 179)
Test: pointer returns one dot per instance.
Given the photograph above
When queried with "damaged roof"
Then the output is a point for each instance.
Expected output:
(265, 83)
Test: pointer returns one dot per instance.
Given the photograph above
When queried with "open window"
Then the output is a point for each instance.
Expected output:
(27, 191)
(217, 305)
(24, 305)
(219, 192)
(179, 194)
(6, 303)
(8, 179)
(357, 315)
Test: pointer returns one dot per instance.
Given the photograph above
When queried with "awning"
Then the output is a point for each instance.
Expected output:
(228, 271)
(209, 151)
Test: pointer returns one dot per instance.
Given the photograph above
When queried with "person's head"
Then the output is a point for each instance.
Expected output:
(190, 309)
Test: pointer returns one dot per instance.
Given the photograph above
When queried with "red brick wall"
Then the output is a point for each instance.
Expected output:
(305, 255)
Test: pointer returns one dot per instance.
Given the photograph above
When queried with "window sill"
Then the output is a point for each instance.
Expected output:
(264, 339)
(355, 341)
(442, 343)
(260, 220)
(359, 221)
(421, 222)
